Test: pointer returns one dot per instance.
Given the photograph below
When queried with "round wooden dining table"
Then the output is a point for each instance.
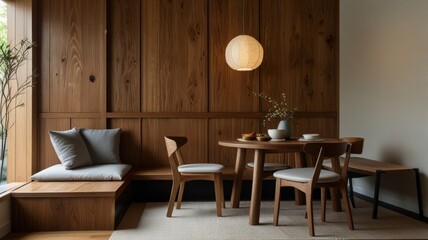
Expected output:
(260, 149)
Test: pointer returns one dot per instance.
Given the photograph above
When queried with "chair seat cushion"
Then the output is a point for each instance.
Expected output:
(200, 168)
(305, 175)
(268, 167)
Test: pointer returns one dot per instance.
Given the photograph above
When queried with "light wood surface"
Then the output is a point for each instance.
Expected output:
(260, 149)
(63, 235)
(22, 135)
(124, 60)
(68, 206)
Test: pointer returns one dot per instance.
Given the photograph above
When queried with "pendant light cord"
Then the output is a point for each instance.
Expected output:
(243, 17)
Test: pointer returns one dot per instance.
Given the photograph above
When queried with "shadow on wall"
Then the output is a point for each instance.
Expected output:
(391, 154)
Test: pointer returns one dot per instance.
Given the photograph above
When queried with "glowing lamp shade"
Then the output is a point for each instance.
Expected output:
(244, 53)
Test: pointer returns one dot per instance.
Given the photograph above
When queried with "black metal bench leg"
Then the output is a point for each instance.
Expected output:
(351, 192)
(418, 189)
(376, 194)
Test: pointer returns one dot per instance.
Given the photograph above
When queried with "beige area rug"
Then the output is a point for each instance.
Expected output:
(197, 220)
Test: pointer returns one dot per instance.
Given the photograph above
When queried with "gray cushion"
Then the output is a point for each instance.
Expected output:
(305, 175)
(70, 148)
(103, 144)
(105, 172)
(200, 168)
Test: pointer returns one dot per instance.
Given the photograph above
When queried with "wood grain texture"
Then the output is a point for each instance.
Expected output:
(230, 90)
(64, 235)
(124, 56)
(301, 39)
(76, 53)
(175, 66)
(153, 143)
(21, 150)
(181, 84)
(62, 214)
(130, 140)
(222, 129)
(47, 156)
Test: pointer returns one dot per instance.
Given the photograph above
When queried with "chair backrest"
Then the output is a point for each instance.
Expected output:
(175, 158)
(357, 144)
(328, 150)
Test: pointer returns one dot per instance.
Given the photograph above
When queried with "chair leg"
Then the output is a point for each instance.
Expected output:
(180, 195)
(218, 192)
(174, 190)
(277, 202)
(323, 203)
(223, 203)
(351, 192)
(310, 213)
(376, 194)
(345, 200)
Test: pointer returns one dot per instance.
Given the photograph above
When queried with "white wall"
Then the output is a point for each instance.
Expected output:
(384, 90)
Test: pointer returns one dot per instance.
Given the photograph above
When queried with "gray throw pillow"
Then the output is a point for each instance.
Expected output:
(103, 144)
(70, 148)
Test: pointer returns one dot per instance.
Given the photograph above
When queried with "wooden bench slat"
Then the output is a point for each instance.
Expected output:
(368, 166)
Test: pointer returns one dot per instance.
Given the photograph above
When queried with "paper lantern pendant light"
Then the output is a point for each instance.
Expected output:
(244, 53)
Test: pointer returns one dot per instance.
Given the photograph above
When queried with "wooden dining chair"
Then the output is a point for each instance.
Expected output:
(182, 173)
(357, 144)
(306, 179)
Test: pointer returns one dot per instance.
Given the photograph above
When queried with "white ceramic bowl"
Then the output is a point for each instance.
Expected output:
(311, 136)
(277, 133)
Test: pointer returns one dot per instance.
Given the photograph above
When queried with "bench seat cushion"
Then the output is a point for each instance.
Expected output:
(104, 172)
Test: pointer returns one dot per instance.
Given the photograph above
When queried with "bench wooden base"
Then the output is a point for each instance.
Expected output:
(69, 206)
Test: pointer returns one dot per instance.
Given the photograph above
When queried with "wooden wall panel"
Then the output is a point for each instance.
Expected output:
(326, 127)
(230, 90)
(87, 123)
(124, 58)
(47, 156)
(22, 135)
(153, 144)
(130, 140)
(301, 47)
(76, 53)
(172, 53)
(223, 129)
(178, 31)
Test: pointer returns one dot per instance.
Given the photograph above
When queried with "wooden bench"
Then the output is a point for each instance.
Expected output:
(69, 206)
(164, 173)
(362, 167)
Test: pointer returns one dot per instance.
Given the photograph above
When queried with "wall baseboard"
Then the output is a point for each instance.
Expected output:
(5, 229)
(393, 208)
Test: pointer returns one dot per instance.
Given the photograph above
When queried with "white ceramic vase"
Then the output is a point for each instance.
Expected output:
(287, 125)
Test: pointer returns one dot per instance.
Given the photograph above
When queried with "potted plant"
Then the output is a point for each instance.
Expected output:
(278, 109)
(11, 58)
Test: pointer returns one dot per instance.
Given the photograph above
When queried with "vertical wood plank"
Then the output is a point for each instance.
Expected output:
(77, 53)
(130, 140)
(153, 143)
(124, 61)
(301, 57)
(180, 56)
(44, 46)
(21, 151)
(47, 155)
(226, 85)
